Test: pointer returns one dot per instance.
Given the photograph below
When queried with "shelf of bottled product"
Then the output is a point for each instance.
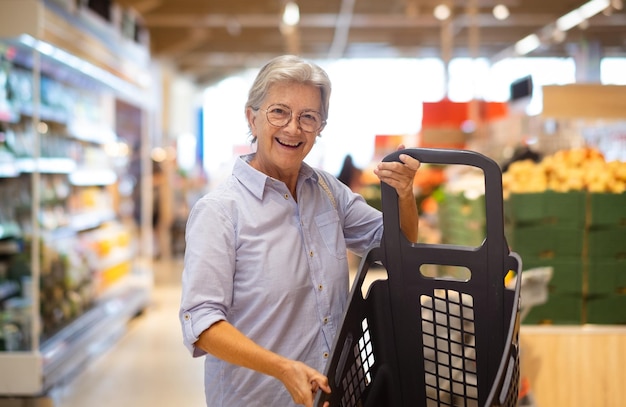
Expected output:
(60, 168)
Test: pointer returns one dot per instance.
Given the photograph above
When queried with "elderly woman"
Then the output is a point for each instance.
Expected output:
(265, 280)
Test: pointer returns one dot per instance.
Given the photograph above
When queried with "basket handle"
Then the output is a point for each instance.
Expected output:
(493, 190)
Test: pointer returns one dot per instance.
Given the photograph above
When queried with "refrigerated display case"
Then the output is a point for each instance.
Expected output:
(74, 265)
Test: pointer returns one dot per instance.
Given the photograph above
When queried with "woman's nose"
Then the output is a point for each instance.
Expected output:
(293, 126)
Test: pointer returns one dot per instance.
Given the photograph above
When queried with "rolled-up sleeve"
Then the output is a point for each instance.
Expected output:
(207, 281)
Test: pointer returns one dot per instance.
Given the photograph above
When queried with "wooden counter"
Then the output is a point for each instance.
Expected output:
(575, 365)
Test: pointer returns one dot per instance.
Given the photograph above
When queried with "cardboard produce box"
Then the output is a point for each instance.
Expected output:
(555, 208)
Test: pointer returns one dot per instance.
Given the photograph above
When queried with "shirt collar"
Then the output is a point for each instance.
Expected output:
(255, 180)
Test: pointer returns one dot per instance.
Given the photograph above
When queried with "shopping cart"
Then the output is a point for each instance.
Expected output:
(422, 341)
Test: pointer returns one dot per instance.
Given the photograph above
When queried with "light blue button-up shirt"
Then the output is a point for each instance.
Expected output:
(275, 269)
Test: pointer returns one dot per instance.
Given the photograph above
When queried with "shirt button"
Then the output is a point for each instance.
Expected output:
(325, 355)
(311, 253)
(320, 287)
(286, 196)
(325, 320)
(187, 317)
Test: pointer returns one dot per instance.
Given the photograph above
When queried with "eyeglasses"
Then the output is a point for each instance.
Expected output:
(279, 115)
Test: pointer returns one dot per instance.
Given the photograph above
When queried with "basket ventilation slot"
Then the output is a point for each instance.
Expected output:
(449, 349)
(358, 376)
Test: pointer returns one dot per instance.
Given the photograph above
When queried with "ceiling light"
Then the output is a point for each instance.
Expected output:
(527, 44)
(569, 20)
(501, 12)
(442, 12)
(158, 154)
(291, 14)
(593, 7)
(577, 16)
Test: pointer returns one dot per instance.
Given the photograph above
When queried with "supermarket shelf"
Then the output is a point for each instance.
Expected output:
(8, 289)
(90, 220)
(10, 230)
(8, 170)
(93, 177)
(66, 353)
(57, 51)
(46, 165)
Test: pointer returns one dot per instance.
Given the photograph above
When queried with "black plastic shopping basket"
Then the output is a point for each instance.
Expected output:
(419, 341)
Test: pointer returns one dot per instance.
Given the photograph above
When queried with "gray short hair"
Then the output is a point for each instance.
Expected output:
(289, 68)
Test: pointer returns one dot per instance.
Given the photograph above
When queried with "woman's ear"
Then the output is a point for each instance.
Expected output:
(251, 117)
(319, 132)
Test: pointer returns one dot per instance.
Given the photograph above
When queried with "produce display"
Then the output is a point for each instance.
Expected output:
(568, 212)
(581, 169)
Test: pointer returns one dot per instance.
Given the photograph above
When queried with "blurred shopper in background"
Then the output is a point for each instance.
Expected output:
(265, 280)
(521, 153)
(350, 174)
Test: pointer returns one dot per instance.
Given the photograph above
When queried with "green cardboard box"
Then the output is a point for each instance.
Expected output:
(606, 277)
(607, 243)
(607, 209)
(560, 309)
(567, 274)
(608, 309)
(546, 241)
(565, 209)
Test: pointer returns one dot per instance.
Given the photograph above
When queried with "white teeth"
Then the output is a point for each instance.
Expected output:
(288, 144)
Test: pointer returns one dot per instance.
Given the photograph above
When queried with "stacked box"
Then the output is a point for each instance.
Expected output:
(606, 278)
(462, 220)
(606, 294)
(607, 309)
(560, 309)
(607, 210)
(565, 292)
(582, 236)
(547, 208)
(548, 230)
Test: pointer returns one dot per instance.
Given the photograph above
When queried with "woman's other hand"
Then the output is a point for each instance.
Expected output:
(303, 382)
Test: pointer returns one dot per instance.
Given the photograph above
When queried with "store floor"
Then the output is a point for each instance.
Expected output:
(148, 366)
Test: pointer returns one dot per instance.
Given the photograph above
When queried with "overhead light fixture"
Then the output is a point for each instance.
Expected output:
(593, 7)
(442, 12)
(582, 13)
(527, 44)
(558, 36)
(501, 12)
(291, 14)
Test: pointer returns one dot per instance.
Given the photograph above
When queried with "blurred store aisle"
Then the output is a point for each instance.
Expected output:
(148, 366)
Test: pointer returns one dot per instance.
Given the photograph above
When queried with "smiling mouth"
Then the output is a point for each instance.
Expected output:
(291, 145)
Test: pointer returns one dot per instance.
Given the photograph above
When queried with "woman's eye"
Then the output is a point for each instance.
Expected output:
(278, 111)
(312, 117)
